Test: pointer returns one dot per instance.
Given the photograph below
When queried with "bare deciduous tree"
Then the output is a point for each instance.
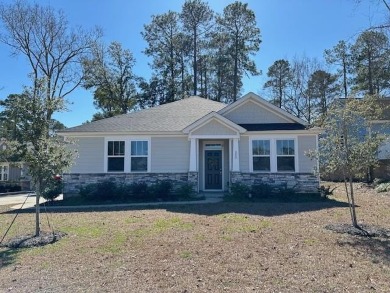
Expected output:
(53, 50)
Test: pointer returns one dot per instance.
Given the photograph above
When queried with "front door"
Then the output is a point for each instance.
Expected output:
(213, 169)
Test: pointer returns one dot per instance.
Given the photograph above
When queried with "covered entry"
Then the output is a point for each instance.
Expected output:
(214, 150)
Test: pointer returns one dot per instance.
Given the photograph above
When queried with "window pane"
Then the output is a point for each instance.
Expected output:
(116, 148)
(266, 147)
(133, 148)
(261, 164)
(110, 151)
(121, 148)
(255, 147)
(139, 164)
(286, 164)
(116, 164)
(144, 148)
(261, 147)
(285, 147)
(139, 148)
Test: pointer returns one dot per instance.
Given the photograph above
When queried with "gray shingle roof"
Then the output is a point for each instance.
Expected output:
(165, 118)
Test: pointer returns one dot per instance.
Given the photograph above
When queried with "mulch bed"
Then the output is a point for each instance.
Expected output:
(30, 240)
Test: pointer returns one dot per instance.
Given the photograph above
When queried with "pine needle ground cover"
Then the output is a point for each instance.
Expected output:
(223, 247)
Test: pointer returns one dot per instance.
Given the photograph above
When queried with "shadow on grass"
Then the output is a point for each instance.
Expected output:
(7, 257)
(377, 248)
(265, 208)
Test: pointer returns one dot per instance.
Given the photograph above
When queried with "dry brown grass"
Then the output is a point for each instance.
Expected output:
(224, 247)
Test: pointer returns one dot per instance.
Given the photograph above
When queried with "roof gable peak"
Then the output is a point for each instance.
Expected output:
(252, 97)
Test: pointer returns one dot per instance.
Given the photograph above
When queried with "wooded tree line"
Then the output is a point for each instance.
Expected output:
(193, 52)
(304, 87)
(197, 52)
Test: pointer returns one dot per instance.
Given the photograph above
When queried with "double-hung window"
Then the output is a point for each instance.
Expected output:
(285, 155)
(273, 154)
(116, 156)
(139, 156)
(261, 155)
(4, 171)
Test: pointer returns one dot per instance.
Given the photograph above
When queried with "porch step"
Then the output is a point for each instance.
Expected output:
(208, 195)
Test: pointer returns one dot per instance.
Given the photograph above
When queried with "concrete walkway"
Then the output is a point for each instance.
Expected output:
(18, 200)
(27, 200)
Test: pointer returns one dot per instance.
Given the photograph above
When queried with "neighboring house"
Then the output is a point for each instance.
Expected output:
(198, 141)
(13, 172)
(382, 125)
(379, 126)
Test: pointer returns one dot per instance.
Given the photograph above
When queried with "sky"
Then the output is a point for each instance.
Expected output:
(288, 28)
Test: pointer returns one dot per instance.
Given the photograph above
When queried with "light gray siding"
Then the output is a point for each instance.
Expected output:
(306, 143)
(244, 153)
(251, 112)
(384, 149)
(170, 154)
(14, 173)
(214, 128)
(90, 155)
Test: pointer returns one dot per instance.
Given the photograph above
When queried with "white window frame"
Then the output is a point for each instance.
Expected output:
(139, 156)
(2, 172)
(285, 156)
(108, 156)
(261, 156)
(273, 152)
(127, 156)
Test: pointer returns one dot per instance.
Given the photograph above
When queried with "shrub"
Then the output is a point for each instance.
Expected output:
(186, 191)
(262, 190)
(378, 181)
(239, 191)
(383, 187)
(51, 193)
(15, 187)
(10, 187)
(106, 190)
(325, 191)
(53, 189)
(137, 191)
(162, 190)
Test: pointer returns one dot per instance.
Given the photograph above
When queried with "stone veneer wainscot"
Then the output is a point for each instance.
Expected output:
(301, 182)
(73, 182)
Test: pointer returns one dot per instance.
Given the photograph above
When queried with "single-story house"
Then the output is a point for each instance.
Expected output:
(194, 140)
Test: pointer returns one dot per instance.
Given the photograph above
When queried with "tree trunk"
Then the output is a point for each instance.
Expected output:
(370, 78)
(351, 197)
(280, 92)
(235, 77)
(37, 209)
(352, 206)
(345, 79)
(195, 64)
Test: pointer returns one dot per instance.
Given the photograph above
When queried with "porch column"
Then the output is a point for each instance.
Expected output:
(193, 156)
(236, 157)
